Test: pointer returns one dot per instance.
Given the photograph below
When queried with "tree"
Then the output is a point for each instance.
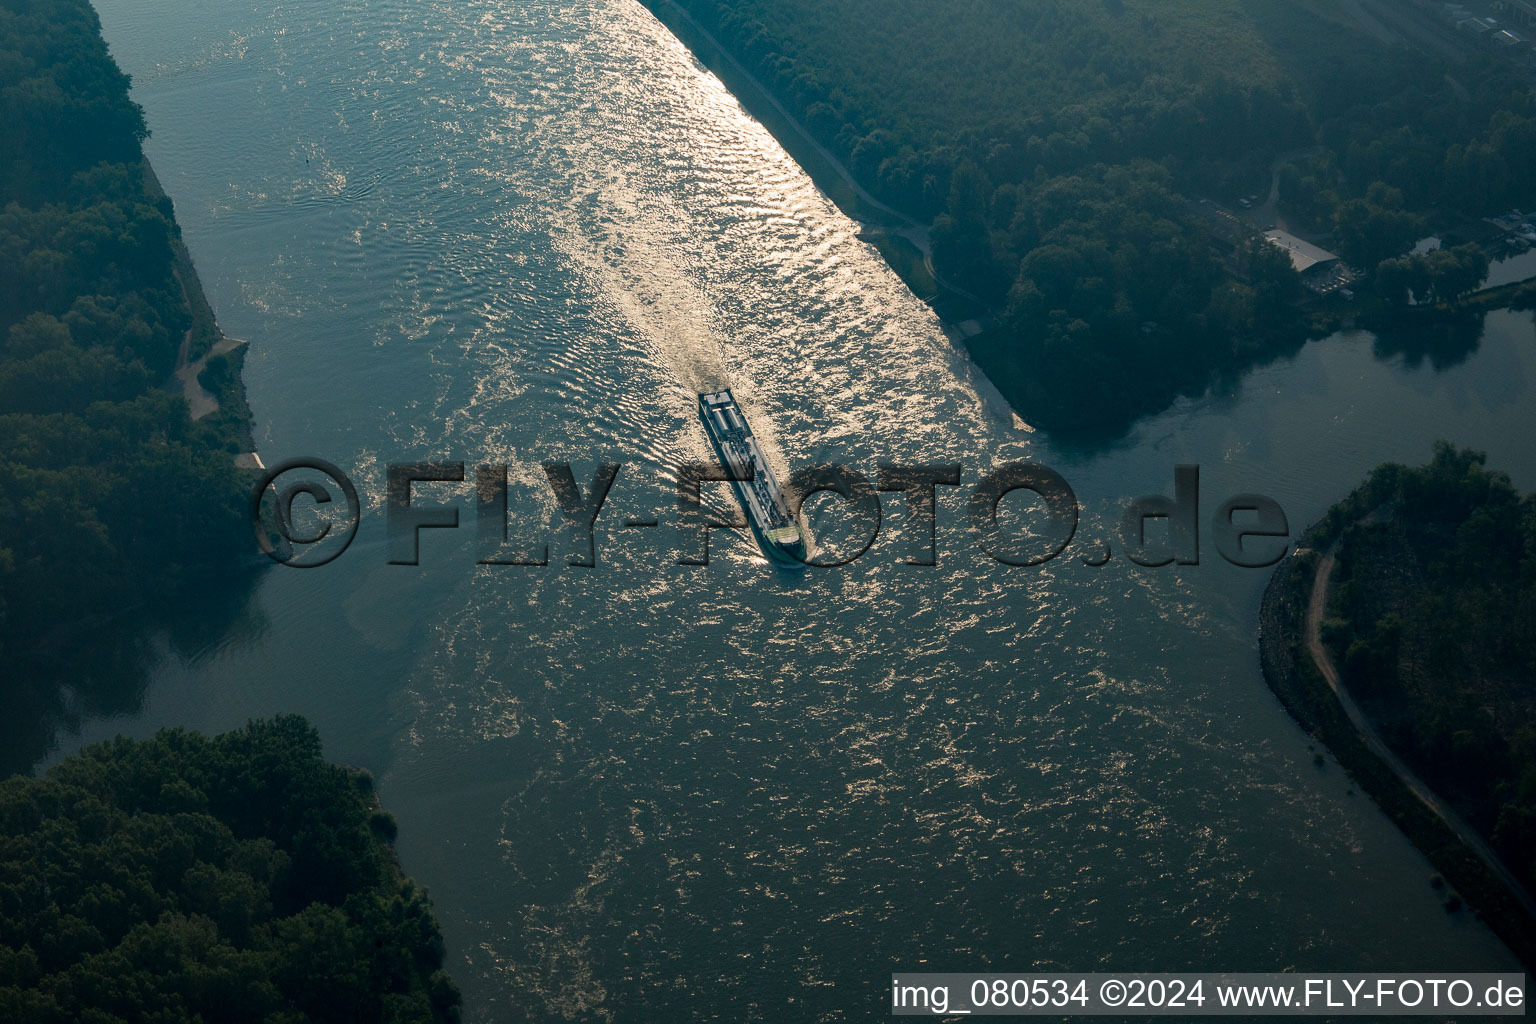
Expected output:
(183, 878)
(1445, 275)
(1277, 287)
(1400, 280)
(92, 313)
(1367, 233)
(1435, 604)
(1453, 273)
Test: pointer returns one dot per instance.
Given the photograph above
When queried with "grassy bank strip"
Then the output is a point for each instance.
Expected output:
(1515, 295)
(225, 382)
(907, 260)
(205, 328)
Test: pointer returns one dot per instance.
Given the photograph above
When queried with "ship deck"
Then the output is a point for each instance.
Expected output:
(728, 428)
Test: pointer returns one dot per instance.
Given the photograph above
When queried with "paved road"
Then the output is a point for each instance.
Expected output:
(1266, 212)
(1374, 743)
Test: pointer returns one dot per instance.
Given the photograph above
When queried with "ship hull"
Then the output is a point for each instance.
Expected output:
(777, 531)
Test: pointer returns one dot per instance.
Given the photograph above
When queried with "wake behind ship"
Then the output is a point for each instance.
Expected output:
(777, 530)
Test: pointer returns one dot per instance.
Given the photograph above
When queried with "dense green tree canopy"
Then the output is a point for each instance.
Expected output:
(1433, 622)
(1053, 145)
(235, 879)
(110, 496)
(1444, 275)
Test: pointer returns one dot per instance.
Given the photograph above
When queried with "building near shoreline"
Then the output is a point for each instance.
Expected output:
(1305, 257)
(1320, 270)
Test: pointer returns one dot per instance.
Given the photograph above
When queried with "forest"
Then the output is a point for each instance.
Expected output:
(117, 506)
(1432, 620)
(1055, 148)
(240, 879)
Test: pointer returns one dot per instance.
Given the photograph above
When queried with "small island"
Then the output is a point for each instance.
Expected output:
(236, 879)
(1403, 636)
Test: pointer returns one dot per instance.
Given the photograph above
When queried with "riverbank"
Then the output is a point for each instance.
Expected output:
(901, 240)
(1300, 672)
(210, 364)
(1369, 311)
(126, 508)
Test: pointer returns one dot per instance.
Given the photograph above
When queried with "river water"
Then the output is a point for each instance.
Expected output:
(516, 232)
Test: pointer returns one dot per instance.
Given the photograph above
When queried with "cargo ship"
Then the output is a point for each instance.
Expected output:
(776, 528)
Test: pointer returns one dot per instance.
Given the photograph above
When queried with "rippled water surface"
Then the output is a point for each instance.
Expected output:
(516, 232)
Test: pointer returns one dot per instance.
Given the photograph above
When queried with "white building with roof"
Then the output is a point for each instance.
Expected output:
(1305, 256)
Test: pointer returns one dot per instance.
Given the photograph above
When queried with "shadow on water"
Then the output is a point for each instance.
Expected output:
(1442, 342)
(1110, 409)
(101, 669)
